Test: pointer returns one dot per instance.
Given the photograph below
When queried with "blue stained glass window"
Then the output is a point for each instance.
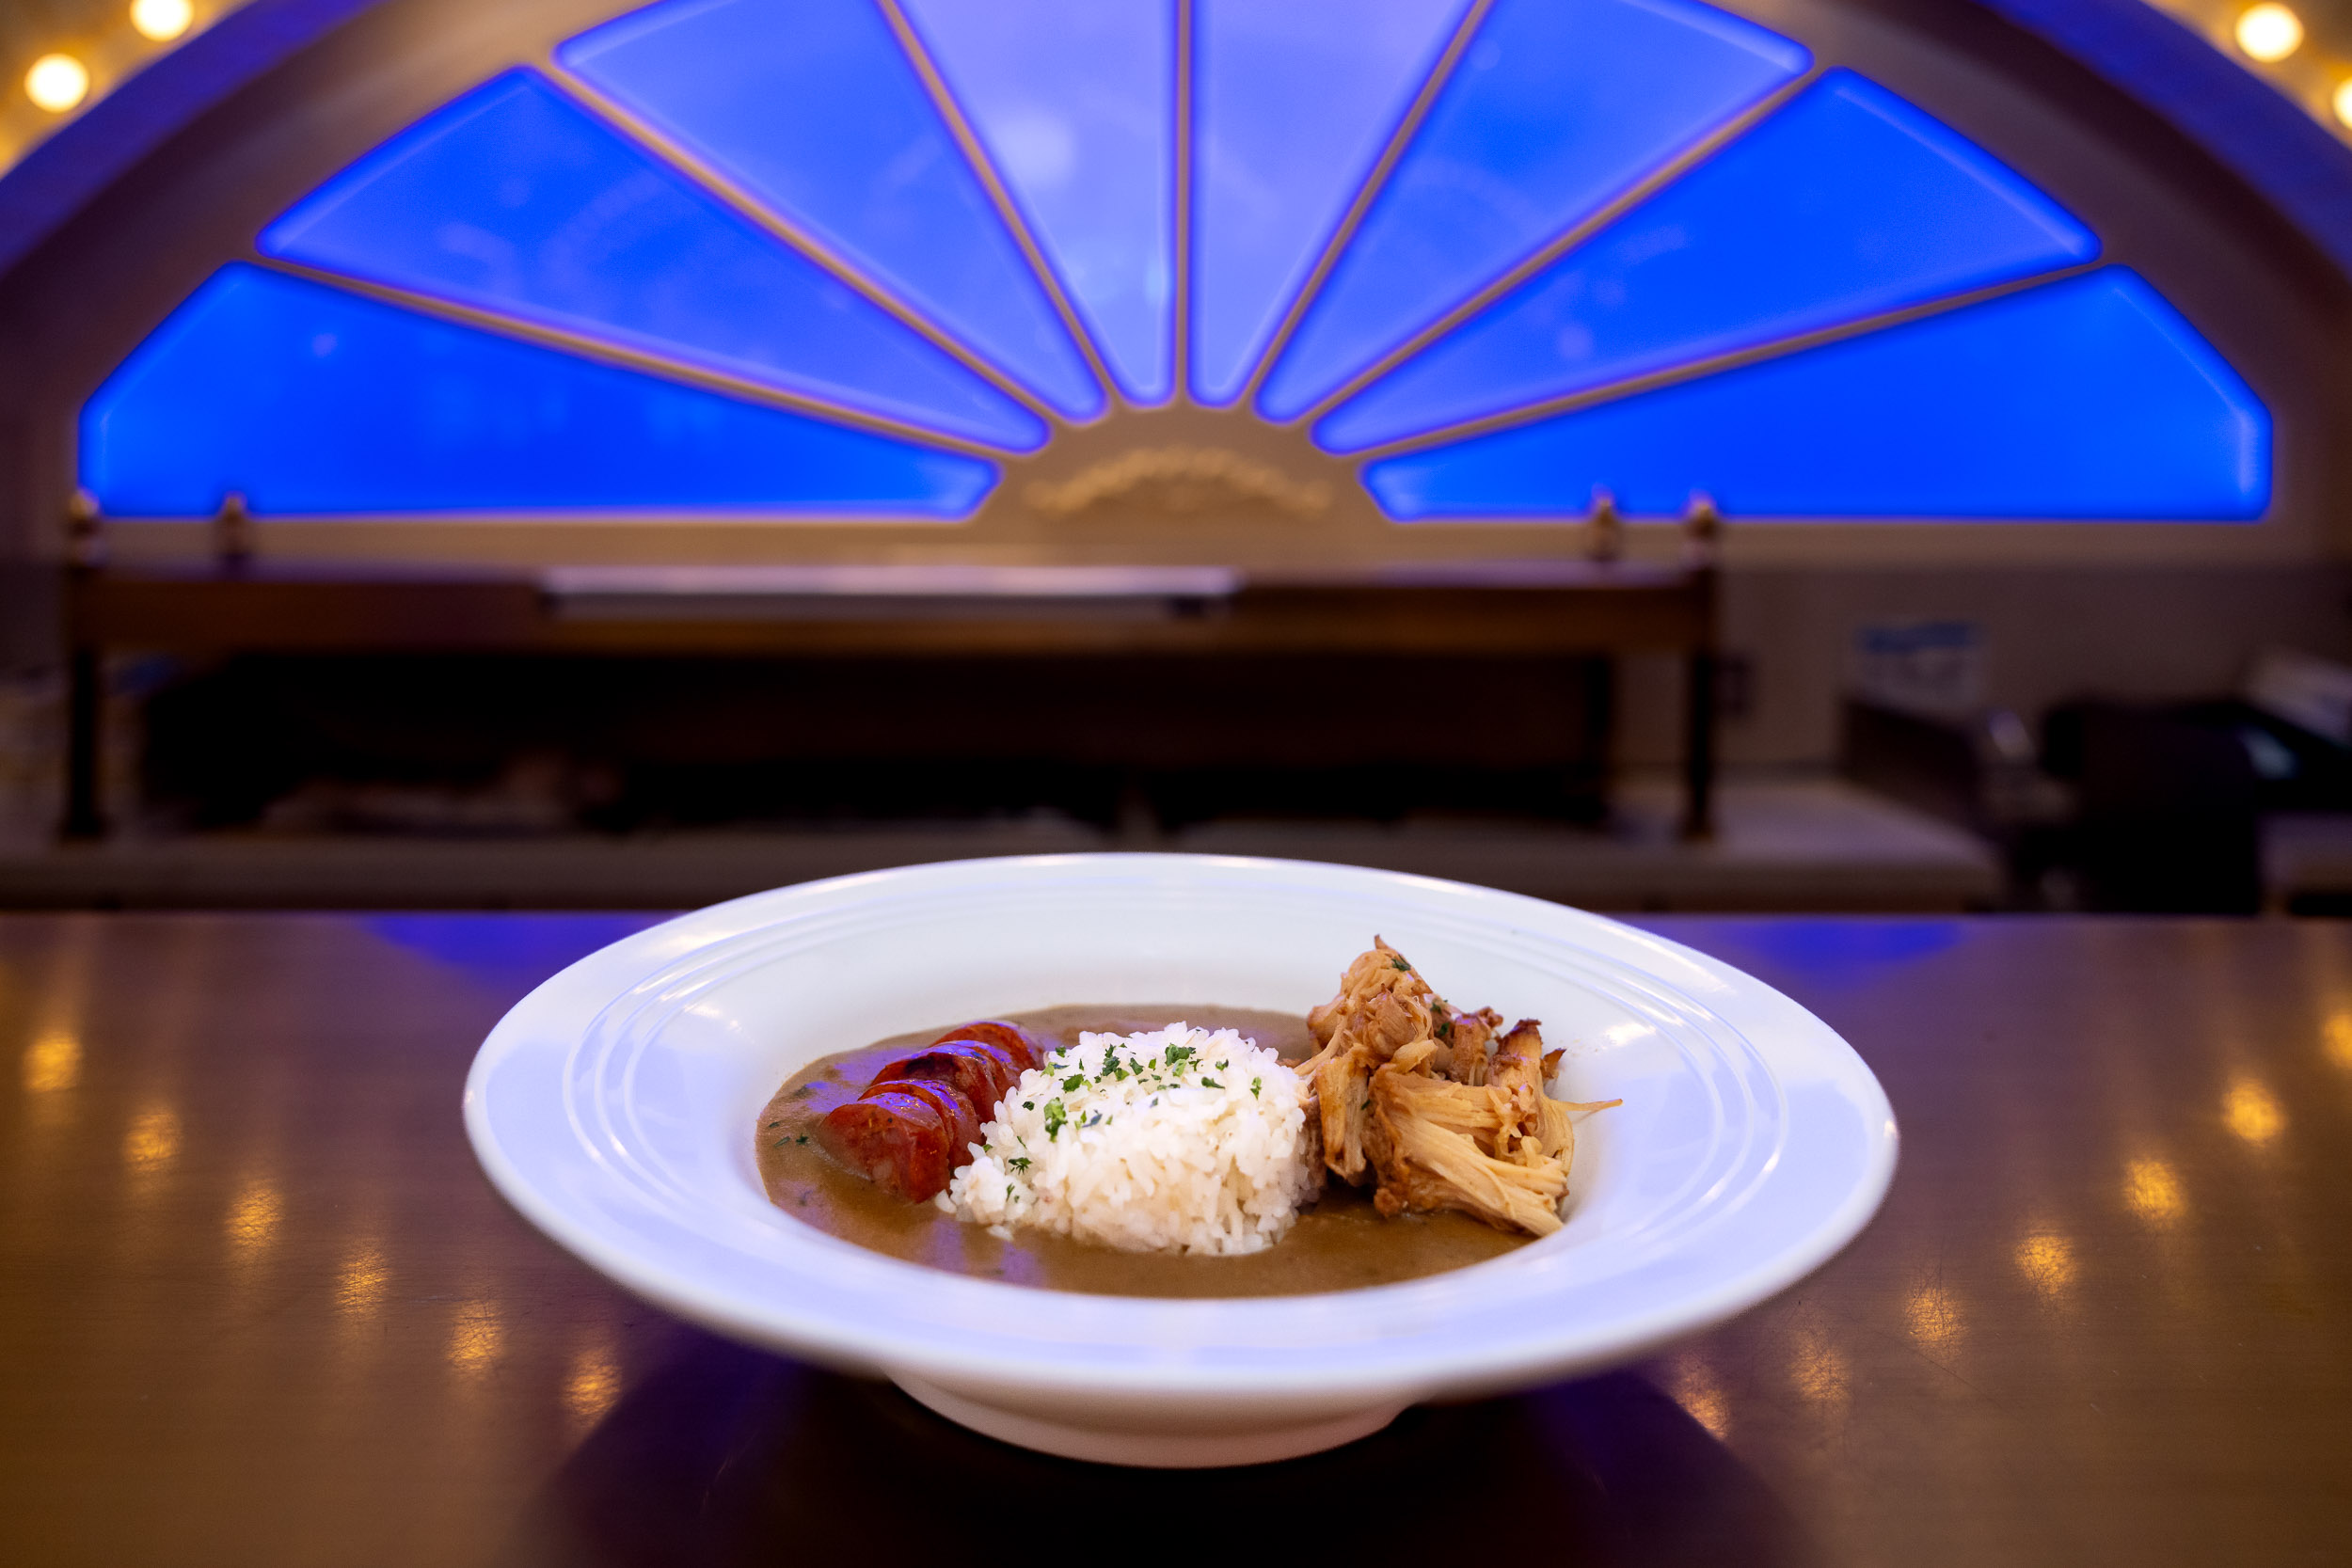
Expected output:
(515, 200)
(1847, 202)
(813, 107)
(1075, 102)
(311, 400)
(2085, 398)
(1293, 103)
(575, 203)
(1556, 108)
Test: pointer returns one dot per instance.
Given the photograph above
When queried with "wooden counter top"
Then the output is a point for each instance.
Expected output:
(259, 1305)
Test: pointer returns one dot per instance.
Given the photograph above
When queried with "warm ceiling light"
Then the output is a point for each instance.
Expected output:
(2269, 31)
(2343, 115)
(56, 82)
(162, 20)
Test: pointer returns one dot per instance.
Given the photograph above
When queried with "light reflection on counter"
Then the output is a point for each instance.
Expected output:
(253, 1218)
(2339, 1040)
(1690, 1382)
(1816, 1369)
(2046, 1259)
(476, 1335)
(52, 1069)
(2252, 1112)
(153, 1140)
(593, 1383)
(360, 1287)
(2152, 1192)
(53, 1062)
(1933, 1318)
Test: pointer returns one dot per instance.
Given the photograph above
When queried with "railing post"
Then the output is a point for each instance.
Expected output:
(1701, 558)
(1604, 539)
(84, 673)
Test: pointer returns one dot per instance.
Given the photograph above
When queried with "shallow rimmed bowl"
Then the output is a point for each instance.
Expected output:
(616, 1107)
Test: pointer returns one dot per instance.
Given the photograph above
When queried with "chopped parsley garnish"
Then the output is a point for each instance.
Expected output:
(1057, 1117)
(1029, 1105)
(1178, 1055)
(1074, 1083)
(1019, 1162)
(801, 1139)
(1255, 1083)
(1211, 1084)
(1399, 961)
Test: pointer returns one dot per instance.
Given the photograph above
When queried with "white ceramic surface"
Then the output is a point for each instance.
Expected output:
(615, 1106)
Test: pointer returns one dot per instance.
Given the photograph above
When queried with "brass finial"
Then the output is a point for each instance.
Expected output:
(233, 531)
(1608, 541)
(85, 533)
(1702, 533)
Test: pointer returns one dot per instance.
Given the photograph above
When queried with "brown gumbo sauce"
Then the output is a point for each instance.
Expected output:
(1339, 1243)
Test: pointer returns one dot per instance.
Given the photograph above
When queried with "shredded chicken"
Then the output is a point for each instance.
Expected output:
(1343, 1104)
(1381, 1001)
(1470, 1037)
(1424, 1102)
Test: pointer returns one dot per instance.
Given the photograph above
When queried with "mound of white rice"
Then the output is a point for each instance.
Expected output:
(1176, 1140)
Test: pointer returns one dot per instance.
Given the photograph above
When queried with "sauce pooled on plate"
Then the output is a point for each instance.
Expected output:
(1340, 1242)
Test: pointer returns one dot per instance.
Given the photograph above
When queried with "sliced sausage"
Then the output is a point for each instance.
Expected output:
(1028, 1050)
(916, 1122)
(980, 1075)
(899, 1142)
(961, 1116)
(1006, 1065)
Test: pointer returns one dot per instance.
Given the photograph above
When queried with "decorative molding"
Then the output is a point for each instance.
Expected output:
(1179, 481)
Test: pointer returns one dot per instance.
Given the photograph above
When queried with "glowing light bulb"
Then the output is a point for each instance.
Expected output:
(58, 82)
(162, 20)
(2342, 103)
(2269, 31)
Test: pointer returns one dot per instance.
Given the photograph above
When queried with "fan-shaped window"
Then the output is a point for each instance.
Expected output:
(870, 258)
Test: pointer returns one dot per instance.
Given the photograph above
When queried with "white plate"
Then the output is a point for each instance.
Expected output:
(614, 1107)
